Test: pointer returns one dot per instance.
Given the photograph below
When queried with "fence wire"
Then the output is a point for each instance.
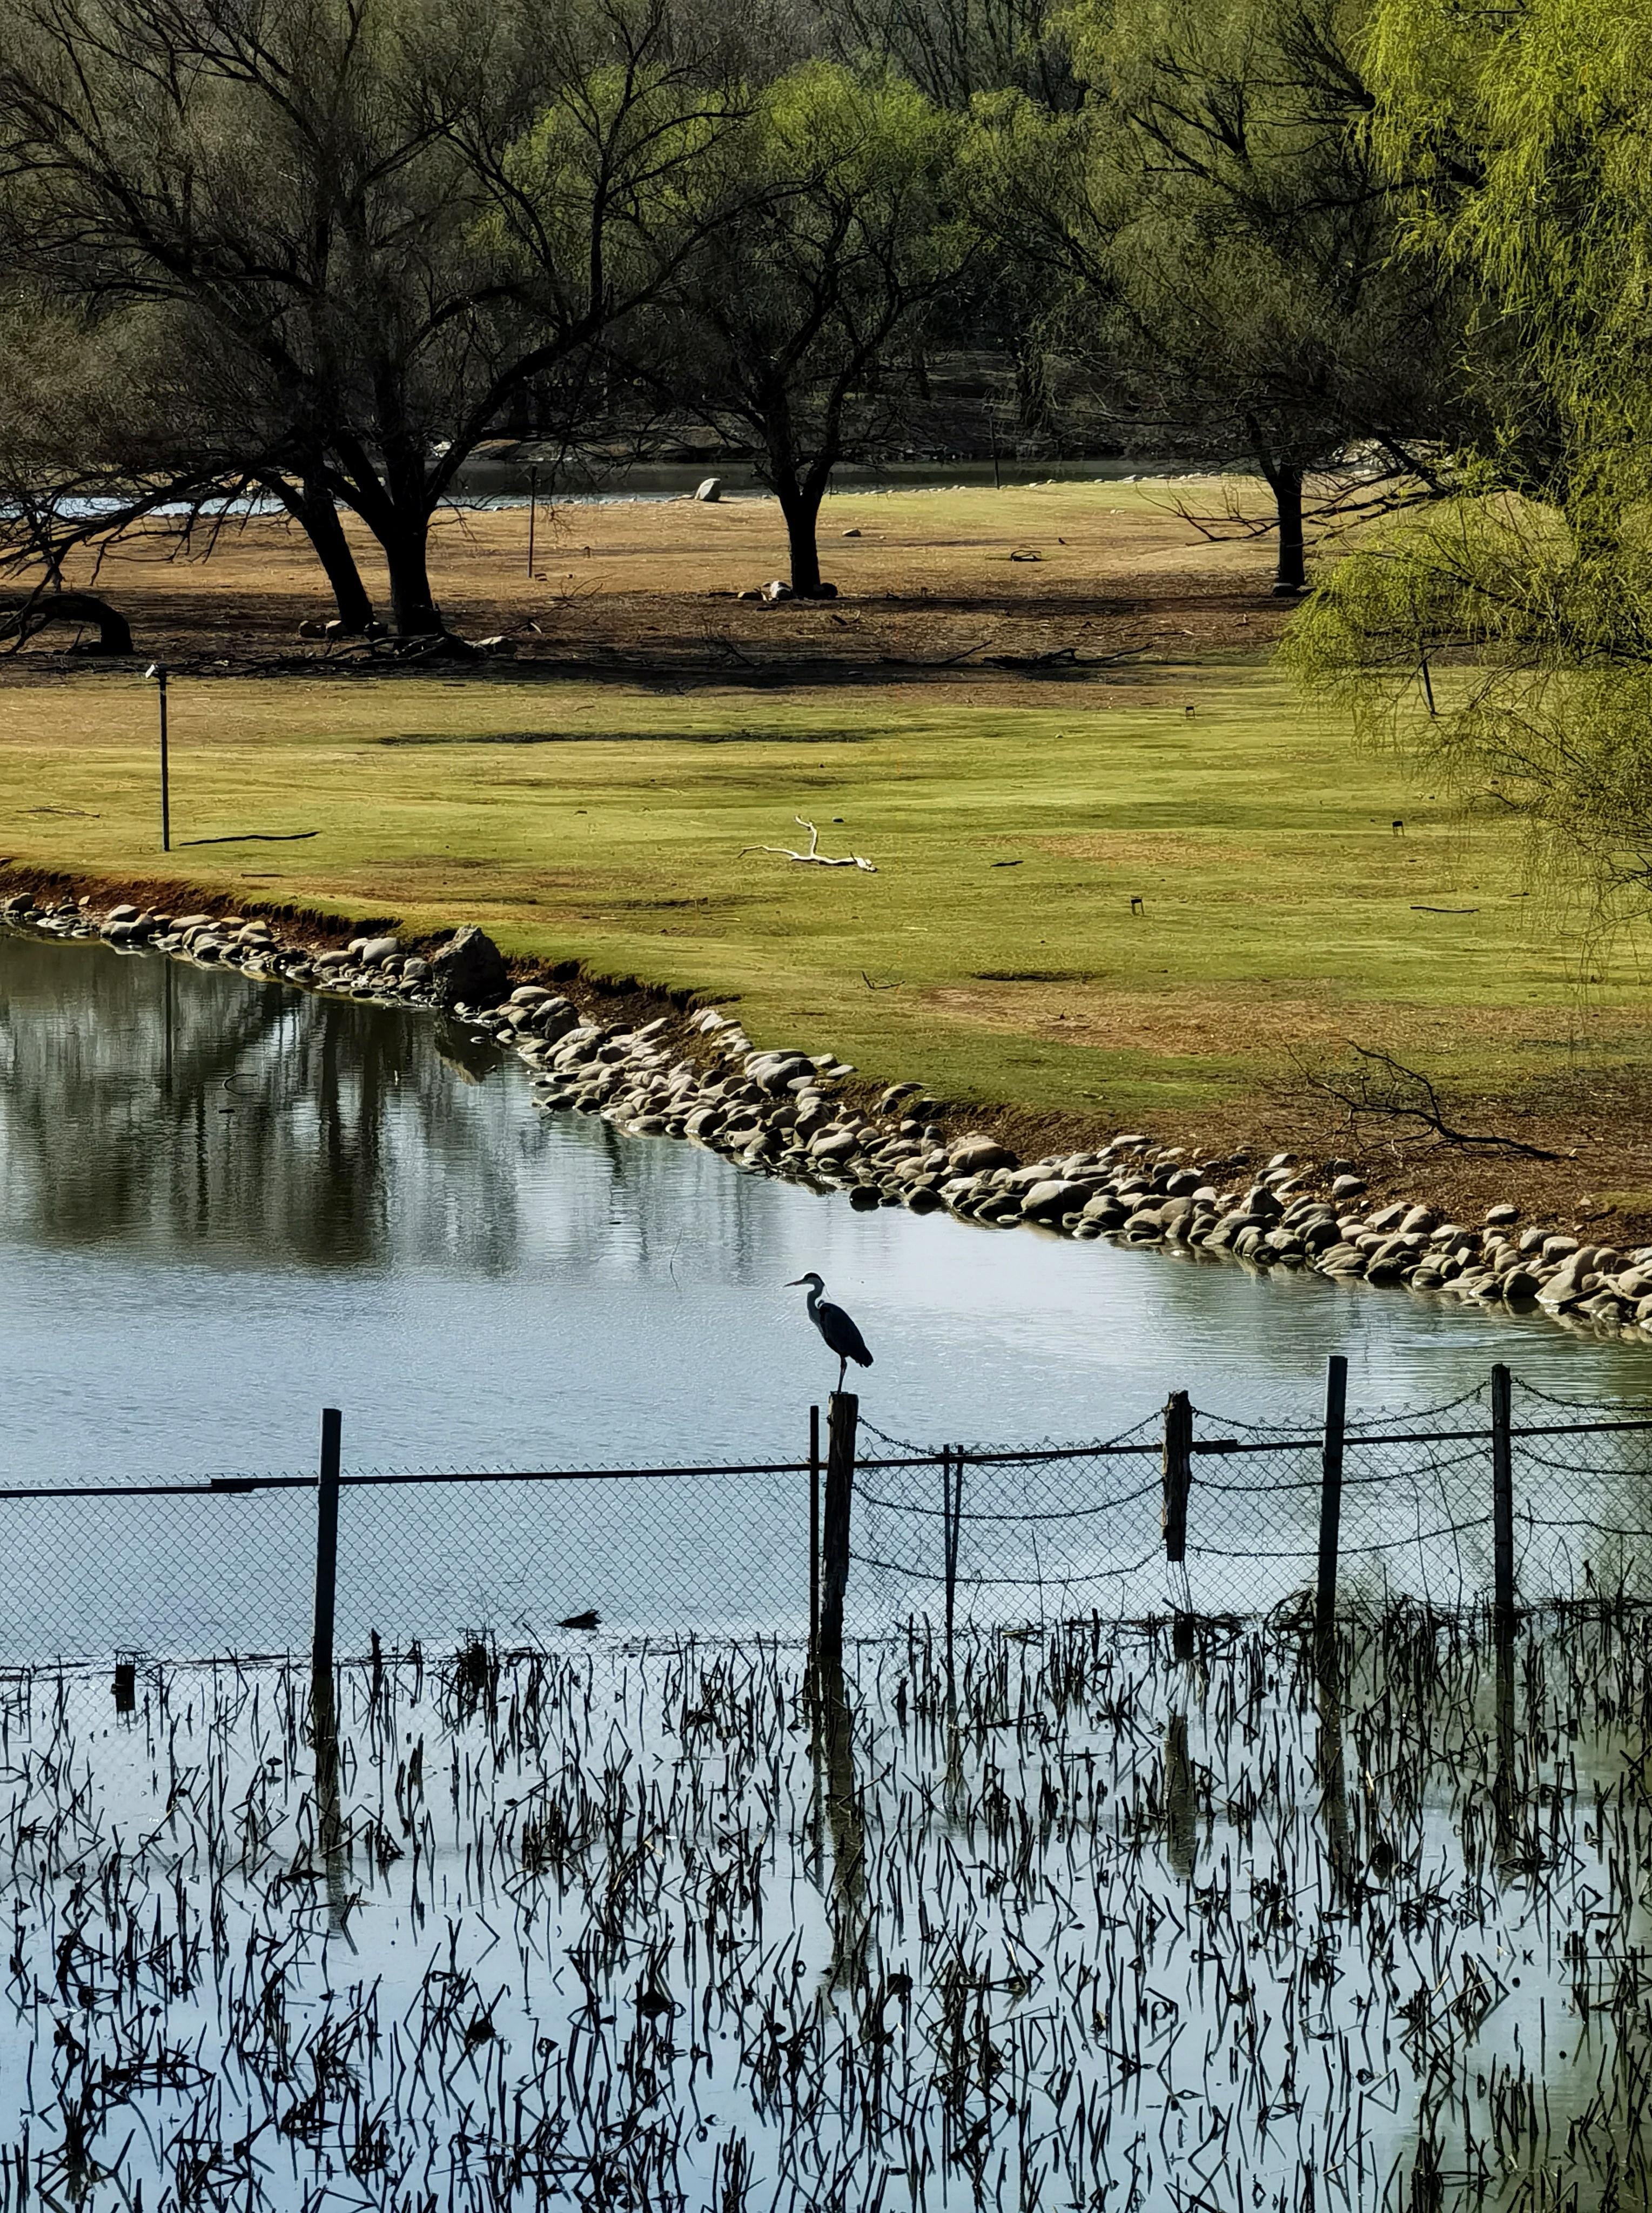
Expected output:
(1066, 1530)
(1008, 1538)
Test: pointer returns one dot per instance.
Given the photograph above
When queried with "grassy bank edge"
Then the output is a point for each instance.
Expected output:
(606, 998)
(627, 1001)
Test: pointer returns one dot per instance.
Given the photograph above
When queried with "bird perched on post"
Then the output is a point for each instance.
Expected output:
(834, 1325)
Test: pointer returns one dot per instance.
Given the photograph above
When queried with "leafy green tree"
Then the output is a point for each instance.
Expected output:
(1227, 241)
(1520, 144)
(954, 51)
(793, 325)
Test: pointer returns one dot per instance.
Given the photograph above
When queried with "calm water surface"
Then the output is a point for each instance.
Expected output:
(224, 1204)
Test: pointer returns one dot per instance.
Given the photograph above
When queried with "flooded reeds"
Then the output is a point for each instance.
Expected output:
(1196, 1916)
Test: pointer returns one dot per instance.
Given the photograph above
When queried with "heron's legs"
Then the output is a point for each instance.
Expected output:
(843, 1368)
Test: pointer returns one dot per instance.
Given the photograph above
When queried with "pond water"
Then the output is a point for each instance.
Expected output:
(1077, 1925)
(494, 478)
(224, 1204)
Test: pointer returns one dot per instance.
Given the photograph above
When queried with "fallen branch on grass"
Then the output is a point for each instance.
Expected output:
(821, 860)
(1380, 1086)
(42, 608)
(944, 661)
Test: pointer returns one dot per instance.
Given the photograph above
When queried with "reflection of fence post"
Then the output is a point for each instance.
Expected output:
(843, 1413)
(951, 1494)
(1336, 1409)
(326, 1554)
(1178, 1474)
(813, 1531)
(1502, 1499)
(324, 1713)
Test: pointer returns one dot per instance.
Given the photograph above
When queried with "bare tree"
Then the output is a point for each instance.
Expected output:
(955, 50)
(128, 416)
(379, 220)
(1226, 246)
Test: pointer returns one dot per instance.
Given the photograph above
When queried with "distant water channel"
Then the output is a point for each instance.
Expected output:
(508, 479)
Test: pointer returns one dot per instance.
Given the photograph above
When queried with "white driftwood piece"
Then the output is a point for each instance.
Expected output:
(821, 860)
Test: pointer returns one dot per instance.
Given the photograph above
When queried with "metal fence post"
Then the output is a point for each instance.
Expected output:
(1178, 1474)
(1336, 1411)
(327, 1549)
(813, 1531)
(842, 1414)
(1502, 1498)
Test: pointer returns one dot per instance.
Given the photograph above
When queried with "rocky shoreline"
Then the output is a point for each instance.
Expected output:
(694, 1073)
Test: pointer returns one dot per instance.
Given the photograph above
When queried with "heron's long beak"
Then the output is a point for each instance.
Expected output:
(796, 1283)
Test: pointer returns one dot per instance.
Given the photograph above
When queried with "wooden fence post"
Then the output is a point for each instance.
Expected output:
(1178, 1474)
(842, 1414)
(1502, 1499)
(1336, 1413)
(326, 1553)
(813, 1532)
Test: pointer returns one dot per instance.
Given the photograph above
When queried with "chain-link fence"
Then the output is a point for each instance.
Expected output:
(984, 1537)
(229, 1566)
(1049, 1532)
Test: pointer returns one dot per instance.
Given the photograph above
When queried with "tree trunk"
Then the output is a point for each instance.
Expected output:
(406, 540)
(325, 531)
(1291, 577)
(800, 507)
(313, 508)
(44, 607)
(1034, 416)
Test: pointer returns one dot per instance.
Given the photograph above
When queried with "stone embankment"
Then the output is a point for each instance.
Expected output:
(696, 1075)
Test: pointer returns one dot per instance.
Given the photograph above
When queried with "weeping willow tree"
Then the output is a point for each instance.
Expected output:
(1504, 637)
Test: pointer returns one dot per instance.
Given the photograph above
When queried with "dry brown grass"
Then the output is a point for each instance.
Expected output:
(930, 577)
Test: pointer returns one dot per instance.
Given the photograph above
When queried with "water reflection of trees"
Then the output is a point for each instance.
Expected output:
(175, 1109)
(143, 1100)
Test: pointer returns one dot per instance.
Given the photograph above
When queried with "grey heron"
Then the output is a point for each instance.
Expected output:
(834, 1325)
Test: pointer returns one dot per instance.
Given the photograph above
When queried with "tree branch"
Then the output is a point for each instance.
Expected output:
(821, 860)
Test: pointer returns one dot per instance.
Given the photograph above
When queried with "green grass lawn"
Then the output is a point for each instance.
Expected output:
(995, 953)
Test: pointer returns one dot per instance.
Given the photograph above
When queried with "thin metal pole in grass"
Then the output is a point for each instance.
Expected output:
(157, 673)
(1336, 1416)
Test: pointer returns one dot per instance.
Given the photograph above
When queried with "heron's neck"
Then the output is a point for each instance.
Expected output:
(814, 1290)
